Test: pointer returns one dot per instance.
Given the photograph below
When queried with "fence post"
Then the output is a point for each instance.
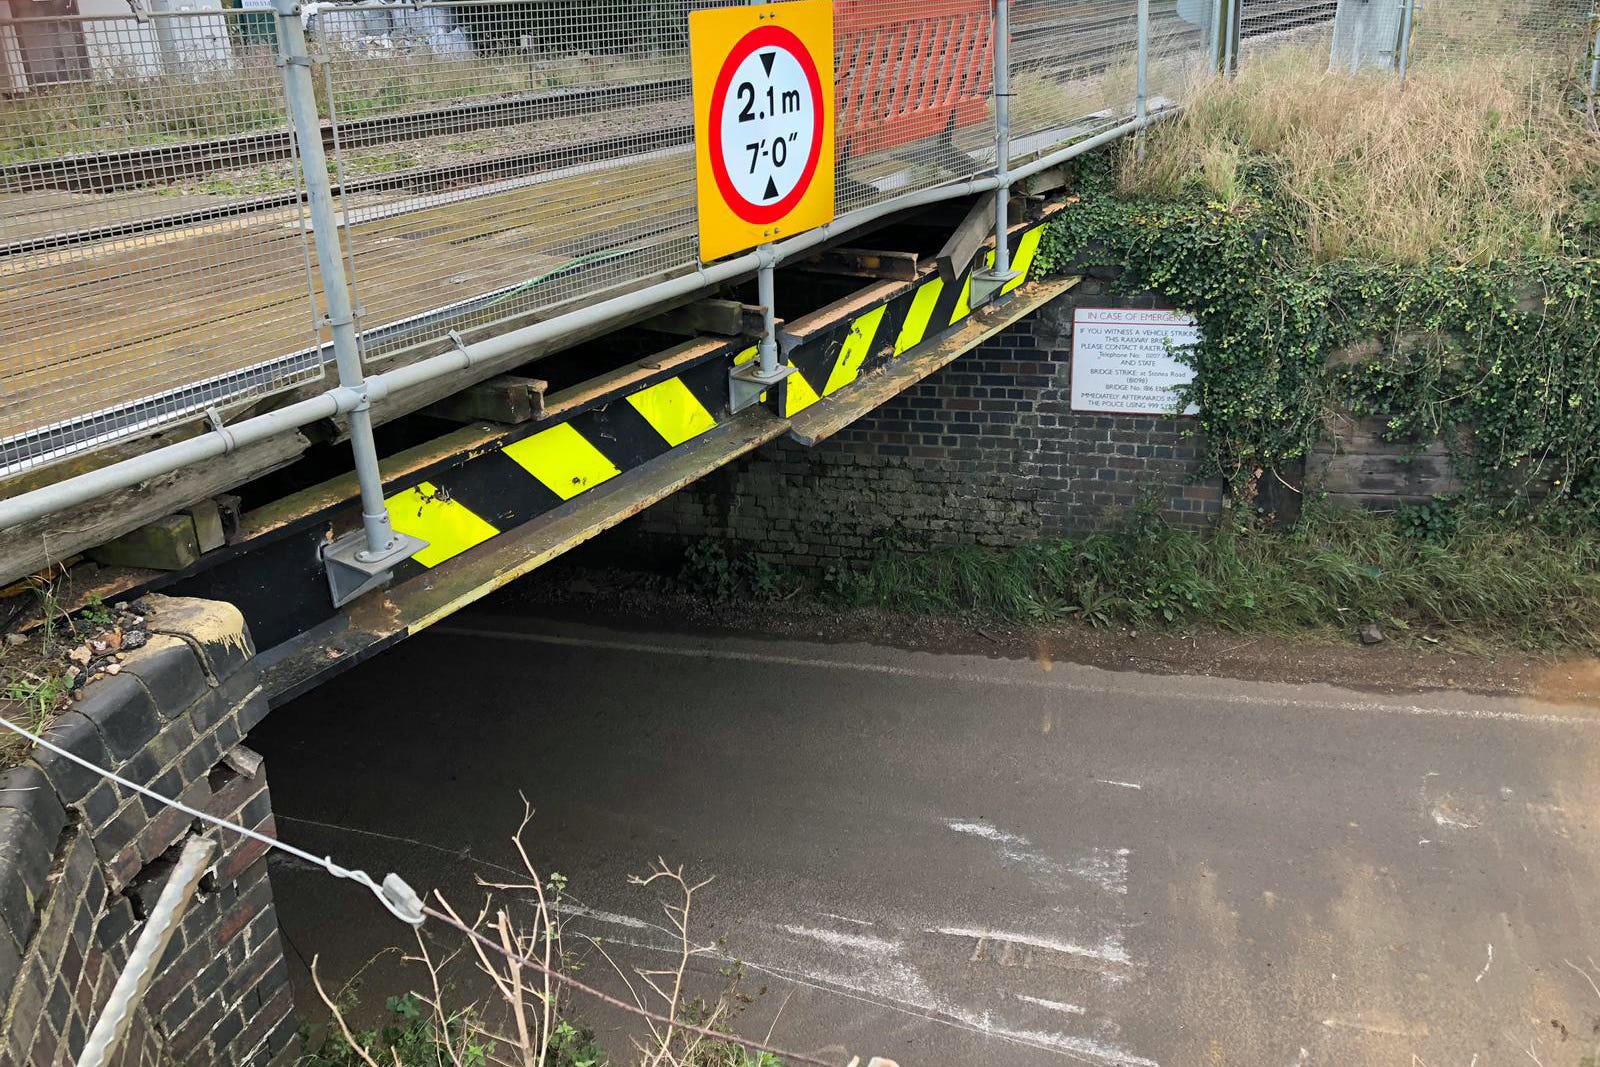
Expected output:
(984, 284)
(1141, 91)
(1214, 44)
(362, 559)
(1231, 31)
(1408, 10)
(1594, 60)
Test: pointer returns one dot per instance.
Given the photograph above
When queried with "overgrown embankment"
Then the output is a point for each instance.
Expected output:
(1426, 258)
(1471, 579)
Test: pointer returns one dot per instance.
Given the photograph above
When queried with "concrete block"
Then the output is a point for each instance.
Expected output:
(168, 544)
(215, 630)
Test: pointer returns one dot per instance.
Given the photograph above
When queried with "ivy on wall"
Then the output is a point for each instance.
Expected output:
(1500, 361)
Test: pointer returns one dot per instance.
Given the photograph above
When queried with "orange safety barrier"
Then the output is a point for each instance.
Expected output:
(907, 72)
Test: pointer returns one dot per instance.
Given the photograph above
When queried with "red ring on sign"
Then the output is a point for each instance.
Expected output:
(763, 37)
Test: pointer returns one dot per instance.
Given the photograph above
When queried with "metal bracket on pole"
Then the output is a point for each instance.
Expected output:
(352, 570)
(748, 381)
(984, 285)
(365, 559)
(987, 283)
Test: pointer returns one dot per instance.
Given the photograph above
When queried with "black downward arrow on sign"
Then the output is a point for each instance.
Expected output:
(766, 61)
(772, 190)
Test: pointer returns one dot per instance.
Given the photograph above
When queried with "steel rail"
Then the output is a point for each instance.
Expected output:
(132, 167)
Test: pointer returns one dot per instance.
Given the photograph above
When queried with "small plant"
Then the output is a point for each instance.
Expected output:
(1434, 521)
(96, 613)
(710, 571)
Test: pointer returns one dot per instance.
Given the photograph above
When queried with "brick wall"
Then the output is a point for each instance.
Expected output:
(82, 860)
(986, 451)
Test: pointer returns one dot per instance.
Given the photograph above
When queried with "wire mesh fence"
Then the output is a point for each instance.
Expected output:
(1544, 32)
(914, 95)
(492, 160)
(151, 232)
(499, 159)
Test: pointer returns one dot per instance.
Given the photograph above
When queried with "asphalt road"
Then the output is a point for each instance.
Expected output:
(952, 860)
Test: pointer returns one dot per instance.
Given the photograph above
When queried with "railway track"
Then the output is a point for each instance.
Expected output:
(161, 164)
(108, 172)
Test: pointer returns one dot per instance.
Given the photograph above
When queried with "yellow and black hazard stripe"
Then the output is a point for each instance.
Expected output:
(828, 363)
(468, 500)
(542, 466)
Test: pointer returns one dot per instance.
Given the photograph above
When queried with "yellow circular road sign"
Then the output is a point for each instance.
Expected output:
(763, 103)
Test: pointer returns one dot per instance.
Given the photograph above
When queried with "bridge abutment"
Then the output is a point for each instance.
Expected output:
(985, 451)
(85, 859)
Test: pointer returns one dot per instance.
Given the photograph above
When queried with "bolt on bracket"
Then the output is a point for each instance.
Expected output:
(353, 570)
(746, 383)
(986, 285)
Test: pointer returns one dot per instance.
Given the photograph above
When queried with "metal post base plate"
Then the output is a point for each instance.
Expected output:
(746, 383)
(349, 575)
(986, 284)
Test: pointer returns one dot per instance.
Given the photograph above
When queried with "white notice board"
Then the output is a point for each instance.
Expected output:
(1123, 362)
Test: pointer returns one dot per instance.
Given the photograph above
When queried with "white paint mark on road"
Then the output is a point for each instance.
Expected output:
(578, 911)
(1086, 1048)
(1014, 848)
(846, 942)
(846, 918)
(1486, 964)
(1386, 1027)
(1120, 785)
(1445, 816)
(1105, 867)
(1051, 1005)
(1053, 683)
(1108, 951)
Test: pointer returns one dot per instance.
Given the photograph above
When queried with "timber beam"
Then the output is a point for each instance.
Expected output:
(724, 318)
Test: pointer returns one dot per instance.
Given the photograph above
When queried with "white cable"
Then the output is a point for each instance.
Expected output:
(398, 898)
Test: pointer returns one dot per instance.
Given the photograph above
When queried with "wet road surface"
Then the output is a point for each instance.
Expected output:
(956, 860)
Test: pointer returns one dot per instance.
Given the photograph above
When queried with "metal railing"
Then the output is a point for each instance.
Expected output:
(204, 207)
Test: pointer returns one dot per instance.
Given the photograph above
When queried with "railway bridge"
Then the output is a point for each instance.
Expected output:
(324, 320)
(458, 241)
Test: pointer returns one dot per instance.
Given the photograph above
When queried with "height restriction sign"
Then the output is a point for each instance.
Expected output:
(763, 120)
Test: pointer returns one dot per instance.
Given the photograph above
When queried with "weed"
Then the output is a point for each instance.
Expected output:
(1476, 160)
(1442, 568)
(709, 570)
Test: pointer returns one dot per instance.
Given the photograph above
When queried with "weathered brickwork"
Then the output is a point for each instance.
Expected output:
(986, 451)
(83, 860)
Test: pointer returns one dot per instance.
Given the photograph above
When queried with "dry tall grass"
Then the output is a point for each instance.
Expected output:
(1476, 160)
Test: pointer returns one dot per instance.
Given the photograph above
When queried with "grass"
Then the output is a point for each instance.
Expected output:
(1439, 572)
(1477, 159)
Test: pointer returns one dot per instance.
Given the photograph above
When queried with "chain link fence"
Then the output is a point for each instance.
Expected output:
(489, 161)
(152, 238)
(1547, 32)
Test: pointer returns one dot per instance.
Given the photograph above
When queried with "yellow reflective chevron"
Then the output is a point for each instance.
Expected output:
(673, 411)
(563, 460)
(857, 346)
(964, 304)
(450, 528)
(1022, 260)
(921, 310)
(799, 395)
